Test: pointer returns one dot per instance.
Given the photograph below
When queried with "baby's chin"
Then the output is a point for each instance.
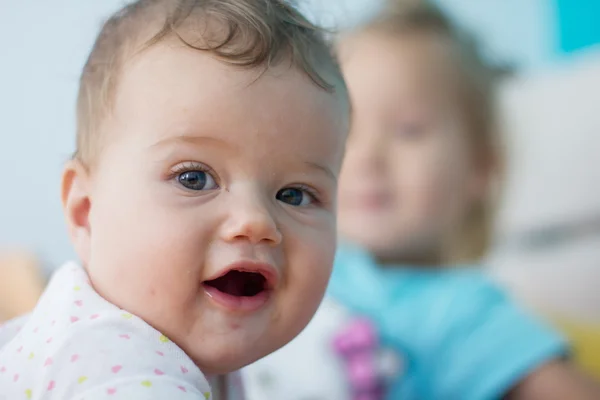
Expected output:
(222, 343)
(225, 355)
(380, 243)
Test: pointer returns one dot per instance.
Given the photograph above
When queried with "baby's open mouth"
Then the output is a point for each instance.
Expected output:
(246, 287)
(240, 283)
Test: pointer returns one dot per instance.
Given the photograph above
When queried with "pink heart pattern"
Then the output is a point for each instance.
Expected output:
(116, 369)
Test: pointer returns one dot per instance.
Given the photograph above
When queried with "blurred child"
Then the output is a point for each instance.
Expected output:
(200, 201)
(409, 318)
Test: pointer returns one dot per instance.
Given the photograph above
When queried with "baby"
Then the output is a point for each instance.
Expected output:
(200, 201)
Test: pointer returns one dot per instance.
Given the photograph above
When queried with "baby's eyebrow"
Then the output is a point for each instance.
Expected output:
(193, 139)
(322, 168)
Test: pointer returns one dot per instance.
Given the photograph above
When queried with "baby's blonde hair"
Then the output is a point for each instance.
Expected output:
(477, 83)
(243, 33)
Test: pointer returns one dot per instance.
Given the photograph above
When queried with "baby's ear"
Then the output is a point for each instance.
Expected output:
(76, 201)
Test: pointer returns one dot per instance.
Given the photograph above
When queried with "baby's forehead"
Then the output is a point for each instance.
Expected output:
(171, 73)
(172, 90)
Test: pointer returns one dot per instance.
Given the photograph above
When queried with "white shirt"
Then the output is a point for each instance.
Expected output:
(78, 346)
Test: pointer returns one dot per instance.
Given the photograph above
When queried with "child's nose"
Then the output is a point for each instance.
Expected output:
(251, 219)
(368, 153)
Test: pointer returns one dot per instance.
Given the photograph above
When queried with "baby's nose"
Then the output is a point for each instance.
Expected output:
(251, 218)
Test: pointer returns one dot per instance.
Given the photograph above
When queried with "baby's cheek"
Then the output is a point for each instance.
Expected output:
(310, 273)
(151, 269)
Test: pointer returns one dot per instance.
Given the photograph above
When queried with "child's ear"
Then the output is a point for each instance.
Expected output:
(76, 201)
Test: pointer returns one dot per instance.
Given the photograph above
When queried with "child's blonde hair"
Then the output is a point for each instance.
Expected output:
(477, 94)
(243, 33)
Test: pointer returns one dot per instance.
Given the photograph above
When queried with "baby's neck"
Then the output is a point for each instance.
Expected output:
(218, 385)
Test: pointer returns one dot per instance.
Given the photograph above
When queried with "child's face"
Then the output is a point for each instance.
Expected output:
(408, 177)
(209, 169)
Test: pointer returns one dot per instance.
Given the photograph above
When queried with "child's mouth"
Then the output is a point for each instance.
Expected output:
(245, 288)
(239, 283)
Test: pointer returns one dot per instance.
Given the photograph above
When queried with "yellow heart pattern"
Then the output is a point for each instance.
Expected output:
(207, 395)
(31, 355)
(147, 383)
(127, 316)
(82, 379)
(163, 339)
(77, 288)
(29, 393)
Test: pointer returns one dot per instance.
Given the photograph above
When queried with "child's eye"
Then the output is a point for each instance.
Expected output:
(295, 197)
(197, 180)
(411, 131)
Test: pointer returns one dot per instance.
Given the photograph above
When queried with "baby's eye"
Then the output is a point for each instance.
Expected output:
(197, 180)
(295, 197)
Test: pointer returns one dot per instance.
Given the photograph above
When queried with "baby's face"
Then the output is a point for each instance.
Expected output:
(212, 207)
(407, 179)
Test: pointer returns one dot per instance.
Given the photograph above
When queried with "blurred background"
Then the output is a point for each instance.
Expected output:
(547, 246)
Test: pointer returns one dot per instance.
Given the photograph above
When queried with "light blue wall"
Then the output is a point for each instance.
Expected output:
(43, 45)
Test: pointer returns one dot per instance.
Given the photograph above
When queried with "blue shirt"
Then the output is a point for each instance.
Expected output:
(460, 336)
